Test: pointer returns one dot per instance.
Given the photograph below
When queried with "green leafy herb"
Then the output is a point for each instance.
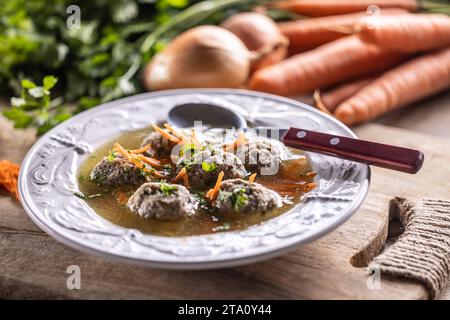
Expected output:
(35, 108)
(209, 166)
(203, 203)
(99, 60)
(167, 189)
(189, 150)
(238, 198)
(111, 156)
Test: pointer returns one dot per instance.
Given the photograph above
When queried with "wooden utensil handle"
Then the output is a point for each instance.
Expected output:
(372, 153)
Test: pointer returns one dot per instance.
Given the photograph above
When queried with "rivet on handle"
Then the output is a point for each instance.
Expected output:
(334, 141)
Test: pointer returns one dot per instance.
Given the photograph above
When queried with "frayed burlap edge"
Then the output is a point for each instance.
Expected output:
(422, 253)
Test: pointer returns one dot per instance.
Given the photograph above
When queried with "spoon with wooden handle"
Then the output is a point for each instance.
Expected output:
(371, 153)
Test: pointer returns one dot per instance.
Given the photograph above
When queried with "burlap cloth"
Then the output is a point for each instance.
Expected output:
(422, 252)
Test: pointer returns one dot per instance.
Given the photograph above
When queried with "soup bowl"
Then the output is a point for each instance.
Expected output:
(48, 184)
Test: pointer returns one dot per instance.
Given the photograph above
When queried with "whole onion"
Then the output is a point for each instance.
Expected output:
(260, 34)
(202, 57)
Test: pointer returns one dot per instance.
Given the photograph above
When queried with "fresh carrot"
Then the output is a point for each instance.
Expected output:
(166, 134)
(212, 193)
(338, 61)
(307, 34)
(329, 100)
(409, 82)
(252, 178)
(320, 8)
(140, 150)
(408, 33)
(9, 174)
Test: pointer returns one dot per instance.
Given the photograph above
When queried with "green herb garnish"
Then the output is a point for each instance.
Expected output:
(209, 166)
(189, 149)
(238, 198)
(167, 189)
(111, 156)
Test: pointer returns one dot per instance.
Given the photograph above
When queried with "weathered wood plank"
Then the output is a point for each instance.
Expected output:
(34, 265)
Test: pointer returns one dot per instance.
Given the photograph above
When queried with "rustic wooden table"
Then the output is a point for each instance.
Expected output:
(32, 265)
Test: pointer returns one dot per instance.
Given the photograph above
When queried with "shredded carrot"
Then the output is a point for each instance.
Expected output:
(9, 174)
(212, 193)
(182, 175)
(175, 132)
(252, 178)
(139, 160)
(156, 173)
(117, 147)
(140, 150)
(240, 140)
(151, 161)
(166, 134)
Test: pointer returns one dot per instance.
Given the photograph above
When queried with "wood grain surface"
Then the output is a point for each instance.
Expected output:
(33, 265)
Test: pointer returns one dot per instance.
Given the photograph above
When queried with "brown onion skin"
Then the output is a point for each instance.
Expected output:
(258, 31)
(202, 57)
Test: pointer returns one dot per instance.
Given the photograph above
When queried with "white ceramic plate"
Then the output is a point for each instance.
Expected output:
(48, 181)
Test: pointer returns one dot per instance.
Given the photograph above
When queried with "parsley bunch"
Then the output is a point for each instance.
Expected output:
(99, 61)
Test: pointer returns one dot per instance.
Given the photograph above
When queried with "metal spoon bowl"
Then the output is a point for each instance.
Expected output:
(212, 116)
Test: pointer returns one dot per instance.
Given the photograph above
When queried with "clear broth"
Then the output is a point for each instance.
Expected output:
(112, 204)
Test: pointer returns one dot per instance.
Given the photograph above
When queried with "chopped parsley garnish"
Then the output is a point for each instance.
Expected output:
(167, 189)
(189, 149)
(209, 166)
(111, 156)
(238, 198)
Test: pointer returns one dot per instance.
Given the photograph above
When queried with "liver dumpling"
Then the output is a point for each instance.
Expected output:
(162, 201)
(115, 172)
(241, 196)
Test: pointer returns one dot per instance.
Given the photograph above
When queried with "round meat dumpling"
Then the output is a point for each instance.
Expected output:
(262, 155)
(241, 196)
(115, 172)
(162, 201)
(160, 146)
(205, 166)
